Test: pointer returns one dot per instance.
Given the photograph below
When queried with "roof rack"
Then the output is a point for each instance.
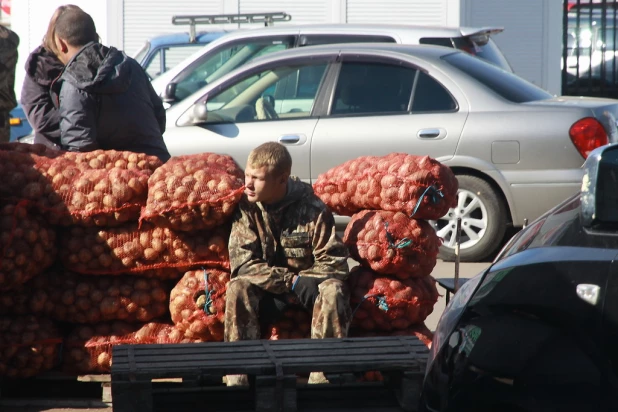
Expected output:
(193, 20)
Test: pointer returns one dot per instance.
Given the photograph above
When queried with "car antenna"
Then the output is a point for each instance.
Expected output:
(193, 20)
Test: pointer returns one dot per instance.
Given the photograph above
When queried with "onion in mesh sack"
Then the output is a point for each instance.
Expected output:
(418, 186)
(392, 243)
(385, 303)
(193, 192)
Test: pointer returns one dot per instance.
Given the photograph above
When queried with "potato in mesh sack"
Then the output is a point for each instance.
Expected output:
(194, 192)
(197, 304)
(88, 348)
(29, 345)
(419, 330)
(89, 197)
(110, 159)
(147, 251)
(36, 148)
(28, 246)
(418, 186)
(385, 303)
(70, 297)
(294, 324)
(392, 243)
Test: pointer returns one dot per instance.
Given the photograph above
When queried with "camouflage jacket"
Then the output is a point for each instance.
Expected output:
(8, 60)
(270, 244)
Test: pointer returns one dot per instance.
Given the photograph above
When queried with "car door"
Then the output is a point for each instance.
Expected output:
(382, 105)
(271, 103)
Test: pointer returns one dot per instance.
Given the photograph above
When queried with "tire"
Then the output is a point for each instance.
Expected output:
(483, 224)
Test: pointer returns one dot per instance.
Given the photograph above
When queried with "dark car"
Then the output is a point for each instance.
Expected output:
(537, 330)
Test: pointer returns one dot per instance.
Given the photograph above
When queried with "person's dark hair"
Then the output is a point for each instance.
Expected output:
(76, 27)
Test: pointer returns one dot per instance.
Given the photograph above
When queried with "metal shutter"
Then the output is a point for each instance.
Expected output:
(426, 12)
(144, 19)
(314, 11)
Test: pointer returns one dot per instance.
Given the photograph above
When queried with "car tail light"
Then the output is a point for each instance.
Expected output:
(587, 134)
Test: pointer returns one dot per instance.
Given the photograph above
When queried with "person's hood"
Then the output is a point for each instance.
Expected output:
(43, 66)
(296, 191)
(99, 69)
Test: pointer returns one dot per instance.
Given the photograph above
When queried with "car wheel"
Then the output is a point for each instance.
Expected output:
(483, 221)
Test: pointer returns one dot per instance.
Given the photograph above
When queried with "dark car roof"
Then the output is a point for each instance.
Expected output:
(560, 226)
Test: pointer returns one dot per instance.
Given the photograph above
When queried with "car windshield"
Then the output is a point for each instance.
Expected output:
(480, 46)
(505, 84)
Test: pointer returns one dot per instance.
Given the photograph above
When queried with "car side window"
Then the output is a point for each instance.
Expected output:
(286, 92)
(431, 96)
(372, 88)
(214, 65)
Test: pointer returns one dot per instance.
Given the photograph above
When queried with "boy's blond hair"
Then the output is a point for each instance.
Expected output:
(273, 155)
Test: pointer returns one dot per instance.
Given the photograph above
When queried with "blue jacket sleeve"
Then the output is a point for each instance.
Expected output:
(78, 119)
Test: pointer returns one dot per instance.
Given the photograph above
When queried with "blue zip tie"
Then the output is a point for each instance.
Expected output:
(209, 302)
(405, 242)
(381, 304)
(434, 198)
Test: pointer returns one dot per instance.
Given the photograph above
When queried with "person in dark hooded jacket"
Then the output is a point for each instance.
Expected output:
(106, 99)
(42, 69)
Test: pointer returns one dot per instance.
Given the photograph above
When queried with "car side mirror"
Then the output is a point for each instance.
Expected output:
(169, 95)
(599, 193)
(200, 112)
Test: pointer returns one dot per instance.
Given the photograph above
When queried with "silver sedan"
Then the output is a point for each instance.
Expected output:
(516, 149)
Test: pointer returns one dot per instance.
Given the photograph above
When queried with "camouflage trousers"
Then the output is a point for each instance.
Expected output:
(5, 127)
(331, 312)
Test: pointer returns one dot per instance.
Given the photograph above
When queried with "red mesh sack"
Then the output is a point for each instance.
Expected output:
(385, 303)
(88, 349)
(89, 197)
(418, 186)
(69, 297)
(392, 243)
(197, 304)
(147, 251)
(24, 178)
(29, 345)
(194, 192)
(113, 159)
(294, 324)
(28, 246)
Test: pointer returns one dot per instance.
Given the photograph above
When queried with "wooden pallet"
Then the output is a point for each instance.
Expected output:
(273, 367)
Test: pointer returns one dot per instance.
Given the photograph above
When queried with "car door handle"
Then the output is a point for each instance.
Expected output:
(431, 133)
(289, 139)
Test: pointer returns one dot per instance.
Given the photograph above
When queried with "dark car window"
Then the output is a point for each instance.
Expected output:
(487, 49)
(366, 88)
(315, 39)
(505, 84)
(431, 96)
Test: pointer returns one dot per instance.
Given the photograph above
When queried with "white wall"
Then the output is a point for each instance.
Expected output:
(532, 39)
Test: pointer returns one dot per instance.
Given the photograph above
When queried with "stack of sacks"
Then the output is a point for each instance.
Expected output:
(389, 198)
